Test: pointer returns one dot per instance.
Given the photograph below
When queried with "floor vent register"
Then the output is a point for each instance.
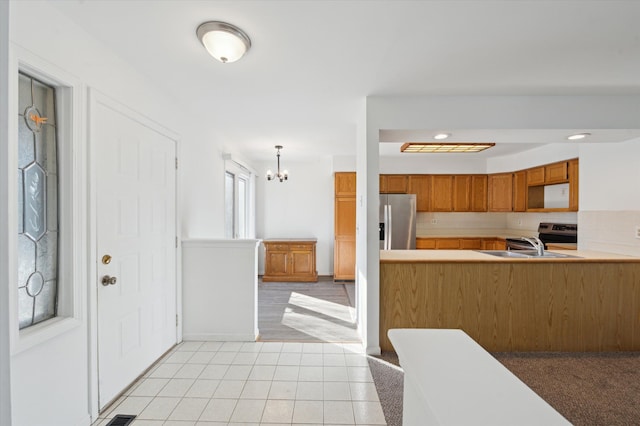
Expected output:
(121, 420)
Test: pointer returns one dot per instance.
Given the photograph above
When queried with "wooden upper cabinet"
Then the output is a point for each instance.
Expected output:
(420, 185)
(500, 192)
(345, 184)
(461, 193)
(556, 173)
(393, 184)
(520, 191)
(535, 176)
(479, 193)
(441, 193)
(470, 193)
(548, 174)
(573, 166)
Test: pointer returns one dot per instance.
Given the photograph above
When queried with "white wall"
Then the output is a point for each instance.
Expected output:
(5, 358)
(432, 165)
(610, 197)
(301, 207)
(56, 372)
(545, 154)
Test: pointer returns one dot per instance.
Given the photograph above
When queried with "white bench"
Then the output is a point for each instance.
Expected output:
(451, 380)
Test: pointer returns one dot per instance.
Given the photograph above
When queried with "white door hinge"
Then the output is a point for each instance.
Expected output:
(176, 163)
(176, 242)
(176, 320)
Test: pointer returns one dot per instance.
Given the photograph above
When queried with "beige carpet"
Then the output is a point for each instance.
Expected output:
(589, 389)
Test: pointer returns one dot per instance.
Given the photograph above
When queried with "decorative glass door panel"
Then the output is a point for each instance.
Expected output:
(37, 202)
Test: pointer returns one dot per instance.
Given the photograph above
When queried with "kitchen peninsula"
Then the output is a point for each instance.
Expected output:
(585, 303)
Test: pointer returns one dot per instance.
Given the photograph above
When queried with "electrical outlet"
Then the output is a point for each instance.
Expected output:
(519, 222)
(637, 231)
(434, 221)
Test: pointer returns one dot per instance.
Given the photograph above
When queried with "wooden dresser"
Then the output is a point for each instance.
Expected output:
(290, 259)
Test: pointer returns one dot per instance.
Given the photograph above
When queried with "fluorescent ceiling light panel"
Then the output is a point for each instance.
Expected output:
(430, 147)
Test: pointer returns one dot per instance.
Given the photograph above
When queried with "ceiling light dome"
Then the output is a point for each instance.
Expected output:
(223, 41)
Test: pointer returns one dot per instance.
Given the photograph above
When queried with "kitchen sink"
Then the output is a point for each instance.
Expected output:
(526, 254)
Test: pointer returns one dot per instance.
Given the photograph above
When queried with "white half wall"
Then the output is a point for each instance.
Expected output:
(220, 289)
(301, 207)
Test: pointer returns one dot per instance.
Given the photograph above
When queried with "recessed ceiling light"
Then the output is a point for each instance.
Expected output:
(460, 147)
(578, 136)
(441, 136)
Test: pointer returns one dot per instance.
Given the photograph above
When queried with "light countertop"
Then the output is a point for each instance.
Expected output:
(476, 233)
(289, 240)
(472, 256)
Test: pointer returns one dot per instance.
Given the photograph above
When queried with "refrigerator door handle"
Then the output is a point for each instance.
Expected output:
(386, 228)
(390, 227)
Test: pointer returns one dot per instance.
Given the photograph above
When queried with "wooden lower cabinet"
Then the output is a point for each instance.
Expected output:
(344, 262)
(460, 244)
(516, 306)
(290, 260)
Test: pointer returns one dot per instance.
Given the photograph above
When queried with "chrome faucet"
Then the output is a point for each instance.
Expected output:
(536, 243)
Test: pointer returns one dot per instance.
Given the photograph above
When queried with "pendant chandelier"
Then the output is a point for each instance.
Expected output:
(281, 176)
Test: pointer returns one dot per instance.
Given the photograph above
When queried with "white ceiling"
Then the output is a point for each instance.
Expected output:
(312, 62)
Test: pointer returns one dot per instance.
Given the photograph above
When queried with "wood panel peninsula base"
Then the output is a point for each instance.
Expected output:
(578, 305)
(290, 260)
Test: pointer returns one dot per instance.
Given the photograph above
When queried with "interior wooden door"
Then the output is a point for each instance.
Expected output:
(136, 246)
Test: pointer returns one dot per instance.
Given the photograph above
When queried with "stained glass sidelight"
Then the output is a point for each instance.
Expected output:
(37, 202)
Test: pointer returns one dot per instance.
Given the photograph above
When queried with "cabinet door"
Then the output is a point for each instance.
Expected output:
(535, 176)
(441, 193)
(345, 217)
(302, 261)
(520, 191)
(425, 243)
(447, 243)
(344, 259)
(420, 185)
(276, 261)
(470, 243)
(573, 185)
(479, 193)
(500, 192)
(461, 193)
(395, 184)
(556, 173)
(345, 184)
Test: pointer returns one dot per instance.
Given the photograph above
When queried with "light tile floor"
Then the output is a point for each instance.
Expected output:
(254, 383)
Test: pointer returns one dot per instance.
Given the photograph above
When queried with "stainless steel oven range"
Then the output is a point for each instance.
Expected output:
(547, 233)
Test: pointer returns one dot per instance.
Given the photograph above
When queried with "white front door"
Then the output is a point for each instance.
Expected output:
(136, 246)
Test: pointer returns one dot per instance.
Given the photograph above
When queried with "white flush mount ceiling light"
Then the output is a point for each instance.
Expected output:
(578, 136)
(441, 136)
(223, 41)
(434, 147)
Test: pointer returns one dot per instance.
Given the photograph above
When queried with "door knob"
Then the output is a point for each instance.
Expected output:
(106, 280)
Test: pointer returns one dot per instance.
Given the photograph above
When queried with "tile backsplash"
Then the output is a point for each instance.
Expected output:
(437, 223)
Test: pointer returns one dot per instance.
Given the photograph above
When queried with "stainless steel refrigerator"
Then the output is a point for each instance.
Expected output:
(397, 221)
